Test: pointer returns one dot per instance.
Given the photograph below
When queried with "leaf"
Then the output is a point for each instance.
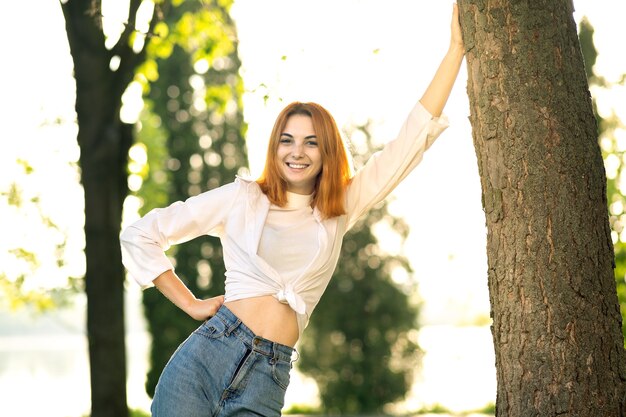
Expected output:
(149, 69)
(161, 30)
(28, 169)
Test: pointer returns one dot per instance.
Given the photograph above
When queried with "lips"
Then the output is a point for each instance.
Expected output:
(296, 166)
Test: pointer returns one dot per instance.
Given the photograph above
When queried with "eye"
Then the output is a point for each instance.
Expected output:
(311, 142)
(285, 140)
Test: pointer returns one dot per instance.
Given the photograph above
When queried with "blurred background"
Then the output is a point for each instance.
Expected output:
(367, 61)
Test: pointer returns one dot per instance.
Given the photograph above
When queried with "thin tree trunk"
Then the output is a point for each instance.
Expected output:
(556, 319)
(104, 142)
(104, 276)
(104, 146)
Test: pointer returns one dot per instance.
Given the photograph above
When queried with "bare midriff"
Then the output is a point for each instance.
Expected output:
(267, 318)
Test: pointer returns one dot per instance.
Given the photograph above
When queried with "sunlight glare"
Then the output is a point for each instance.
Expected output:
(114, 20)
(400, 276)
(114, 63)
(201, 66)
(617, 208)
(606, 143)
(614, 236)
(134, 182)
(139, 154)
(142, 25)
(618, 95)
(389, 241)
(612, 164)
(144, 16)
(132, 103)
(196, 82)
(621, 184)
(132, 204)
(620, 138)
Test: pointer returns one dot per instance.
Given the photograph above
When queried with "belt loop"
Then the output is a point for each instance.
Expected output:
(232, 327)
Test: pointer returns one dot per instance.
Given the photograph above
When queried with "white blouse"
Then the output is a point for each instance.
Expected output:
(289, 253)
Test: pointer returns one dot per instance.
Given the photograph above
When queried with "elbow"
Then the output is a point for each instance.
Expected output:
(131, 237)
(127, 241)
(128, 235)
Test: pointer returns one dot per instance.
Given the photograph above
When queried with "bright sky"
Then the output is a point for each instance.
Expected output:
(330, 55)
(330, 58)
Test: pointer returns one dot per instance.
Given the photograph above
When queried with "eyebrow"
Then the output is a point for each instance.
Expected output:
(306, 137)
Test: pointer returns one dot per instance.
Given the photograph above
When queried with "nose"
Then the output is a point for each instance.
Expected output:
(298, 150)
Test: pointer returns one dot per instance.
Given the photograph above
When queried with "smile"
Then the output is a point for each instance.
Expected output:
(296, 166)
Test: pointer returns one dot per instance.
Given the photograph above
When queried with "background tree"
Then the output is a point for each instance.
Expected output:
(102, 75)
(556, 320)
(22, 265)
(193, 132)
(613, 152)
(360, 345)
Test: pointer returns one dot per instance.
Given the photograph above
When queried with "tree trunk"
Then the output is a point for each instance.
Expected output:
(104, 142)
(556, 320)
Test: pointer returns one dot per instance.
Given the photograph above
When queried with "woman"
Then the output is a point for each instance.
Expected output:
(281, 238)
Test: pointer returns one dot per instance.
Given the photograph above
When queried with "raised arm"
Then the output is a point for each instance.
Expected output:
(438, 91)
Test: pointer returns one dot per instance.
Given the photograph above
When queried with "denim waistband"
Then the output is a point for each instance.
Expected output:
(266, 347)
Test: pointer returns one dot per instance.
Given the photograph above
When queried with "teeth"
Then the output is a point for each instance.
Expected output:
(297, 166)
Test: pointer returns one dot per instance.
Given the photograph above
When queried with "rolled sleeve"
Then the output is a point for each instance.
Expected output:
(143, 257)
(144, 242)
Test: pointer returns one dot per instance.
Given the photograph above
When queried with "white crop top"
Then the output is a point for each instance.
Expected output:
(289, 238)
(289, 252)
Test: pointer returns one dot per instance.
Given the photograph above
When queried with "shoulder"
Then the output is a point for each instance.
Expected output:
(240, 183)
(244, 180)
(249, 185)
(219, 197)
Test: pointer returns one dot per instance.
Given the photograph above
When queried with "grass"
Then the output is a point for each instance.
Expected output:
(488, 410)
(133, 413)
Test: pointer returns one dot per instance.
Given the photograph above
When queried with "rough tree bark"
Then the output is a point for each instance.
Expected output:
(104, 142)
(556, 319)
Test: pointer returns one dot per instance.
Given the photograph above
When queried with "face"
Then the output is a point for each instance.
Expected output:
(298, 154)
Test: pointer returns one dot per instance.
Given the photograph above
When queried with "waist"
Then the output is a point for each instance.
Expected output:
(268, 318)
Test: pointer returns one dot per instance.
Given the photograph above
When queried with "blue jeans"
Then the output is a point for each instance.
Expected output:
(221, 370)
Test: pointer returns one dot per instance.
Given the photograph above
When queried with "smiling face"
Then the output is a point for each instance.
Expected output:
(305, 155)
(299, 155)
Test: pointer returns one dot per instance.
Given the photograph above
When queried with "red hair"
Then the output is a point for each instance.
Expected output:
(330, 186)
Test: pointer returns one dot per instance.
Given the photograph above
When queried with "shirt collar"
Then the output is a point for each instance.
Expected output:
(298, 201)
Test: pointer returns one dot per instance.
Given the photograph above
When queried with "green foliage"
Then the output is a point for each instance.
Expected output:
(585, 37)
(614, 154)
(302, 409)
(134, 413)
(201, 32)
(139, 413)
(360, 345)
(148, 160)
(435, 409)
(21, 285)
(487, 410)
(192, 133)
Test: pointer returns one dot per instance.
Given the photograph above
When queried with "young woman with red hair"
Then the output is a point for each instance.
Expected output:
(281, 237)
